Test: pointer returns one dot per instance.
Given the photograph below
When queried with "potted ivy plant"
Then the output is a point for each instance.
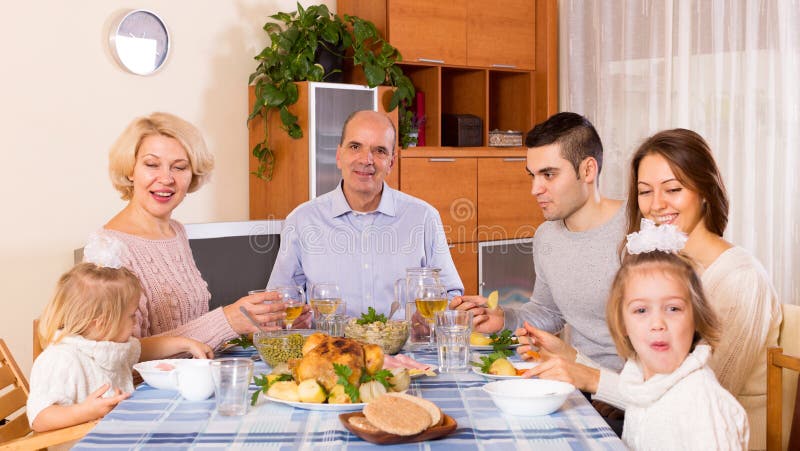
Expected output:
(296, 40)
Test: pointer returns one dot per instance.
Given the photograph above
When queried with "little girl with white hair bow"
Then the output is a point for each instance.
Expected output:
(662, 323)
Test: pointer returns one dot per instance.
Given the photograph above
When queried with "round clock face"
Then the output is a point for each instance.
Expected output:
(140, 42)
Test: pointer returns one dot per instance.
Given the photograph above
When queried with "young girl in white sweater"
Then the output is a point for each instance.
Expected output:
(661, 322)
(85, 368)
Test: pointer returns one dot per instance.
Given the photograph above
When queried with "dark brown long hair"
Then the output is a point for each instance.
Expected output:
(692, 162)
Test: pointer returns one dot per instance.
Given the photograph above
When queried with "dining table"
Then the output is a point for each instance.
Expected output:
(161, 419)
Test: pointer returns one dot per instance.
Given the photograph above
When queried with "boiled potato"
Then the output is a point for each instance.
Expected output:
(338, 396)
(373, 358)
(502, 367)
(285, 390)
(479, 339)
(310, 391)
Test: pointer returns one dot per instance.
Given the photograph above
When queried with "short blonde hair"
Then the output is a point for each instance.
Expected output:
(681, 268)
(86, 293)
(122, 157)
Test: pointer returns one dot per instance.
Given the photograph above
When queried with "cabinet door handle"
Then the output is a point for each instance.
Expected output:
(514, 160)
(430, 60)
(451, 246)
(441, 160)
(505, 66)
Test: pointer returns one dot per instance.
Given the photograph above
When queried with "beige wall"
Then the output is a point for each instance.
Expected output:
(64, 101)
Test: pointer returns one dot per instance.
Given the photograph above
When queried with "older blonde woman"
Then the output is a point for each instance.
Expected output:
(156, 161)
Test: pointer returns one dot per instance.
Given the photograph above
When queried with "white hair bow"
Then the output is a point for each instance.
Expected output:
(651, 237)
(103, 250)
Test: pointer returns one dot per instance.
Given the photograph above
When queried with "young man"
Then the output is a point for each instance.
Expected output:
(364, 234)
(575, 251)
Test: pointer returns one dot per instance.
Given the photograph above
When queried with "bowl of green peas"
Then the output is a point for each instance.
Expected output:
(276, 347)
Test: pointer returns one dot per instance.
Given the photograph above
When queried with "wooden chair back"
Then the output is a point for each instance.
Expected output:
(789, 342)
(14, 389)
(15, 432)
(776, 362)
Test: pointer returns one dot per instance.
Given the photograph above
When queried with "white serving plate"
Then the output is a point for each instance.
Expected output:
(518, 365)
(325, 407)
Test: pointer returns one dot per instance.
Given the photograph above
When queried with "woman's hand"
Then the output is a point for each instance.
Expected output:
(268, 314)
(484, 319)
(549, 345)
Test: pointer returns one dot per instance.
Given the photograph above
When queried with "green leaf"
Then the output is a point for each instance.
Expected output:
(273, 96)
(287, 118)
(244, 341)
(344, 372)
(371, 317)
(375, 75)
(295, 131)
(502, 342)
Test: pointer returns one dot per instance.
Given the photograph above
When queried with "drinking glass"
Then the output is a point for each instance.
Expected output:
(326, 301)
(294, 298)
(430, 298)
(453, 328)
(277, 323)
(231, 383)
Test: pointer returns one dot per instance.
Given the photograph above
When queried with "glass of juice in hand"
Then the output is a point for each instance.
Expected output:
(294, 298)
(430, 298)
(326, 301)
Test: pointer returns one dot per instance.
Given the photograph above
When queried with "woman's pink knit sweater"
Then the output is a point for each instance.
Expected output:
(175, 296)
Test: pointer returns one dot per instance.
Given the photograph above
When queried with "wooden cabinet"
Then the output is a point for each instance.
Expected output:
(428, 31)
(495, 60)
(506, 208)
(465, 257)
(482, 195)
(501, 33)
(449, 185)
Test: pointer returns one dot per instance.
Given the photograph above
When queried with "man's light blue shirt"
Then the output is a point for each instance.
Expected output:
(324, 240)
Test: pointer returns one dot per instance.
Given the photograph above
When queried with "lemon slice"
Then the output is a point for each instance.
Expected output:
(492, 300)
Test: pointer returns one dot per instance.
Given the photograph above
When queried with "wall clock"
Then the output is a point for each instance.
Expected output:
(140, 42)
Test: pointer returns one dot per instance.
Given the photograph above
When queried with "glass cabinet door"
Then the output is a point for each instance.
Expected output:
(331, 104)
(507, 266)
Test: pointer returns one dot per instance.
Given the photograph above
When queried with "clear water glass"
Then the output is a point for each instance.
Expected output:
(452, 329)
(231, 383)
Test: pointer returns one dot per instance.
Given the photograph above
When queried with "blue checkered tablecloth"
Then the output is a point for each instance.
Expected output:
(161, 419)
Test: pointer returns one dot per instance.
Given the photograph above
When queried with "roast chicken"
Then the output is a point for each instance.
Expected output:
(321, 351)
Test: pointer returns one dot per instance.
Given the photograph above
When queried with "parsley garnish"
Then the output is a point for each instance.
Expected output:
(244, 341)
(344, 372)
(371, 317)
(381, 376)
(502, 342)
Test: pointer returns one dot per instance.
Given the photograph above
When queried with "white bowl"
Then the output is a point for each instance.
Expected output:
(528, 397)
(156, 377)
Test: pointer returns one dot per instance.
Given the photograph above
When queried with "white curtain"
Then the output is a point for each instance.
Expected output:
(728, 69)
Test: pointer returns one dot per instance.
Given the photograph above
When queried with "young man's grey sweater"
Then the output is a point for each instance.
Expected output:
(574, 272)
